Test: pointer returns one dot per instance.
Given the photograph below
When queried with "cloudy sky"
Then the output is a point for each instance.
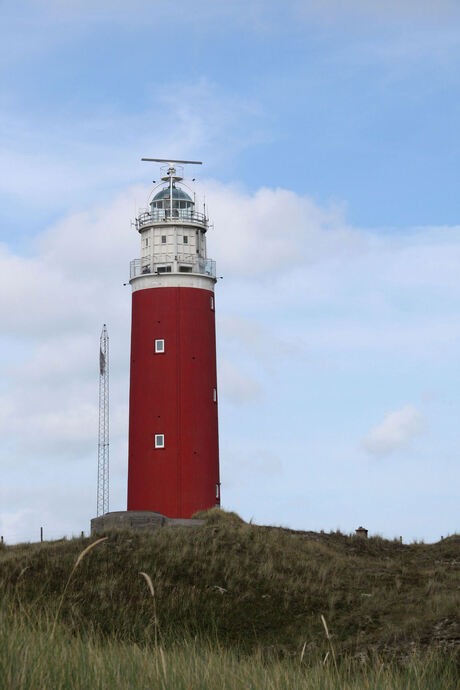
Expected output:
(329, 132)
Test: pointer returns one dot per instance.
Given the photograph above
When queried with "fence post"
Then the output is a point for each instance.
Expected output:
(41, 533)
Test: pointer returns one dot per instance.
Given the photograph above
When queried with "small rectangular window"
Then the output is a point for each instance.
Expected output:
(159, 345)
(185, 239)
(163, 239)
(212, 303)
(146, 241)
(159, 440)
(214, 395)
(185, 269)
(217, 491)
(164, 269)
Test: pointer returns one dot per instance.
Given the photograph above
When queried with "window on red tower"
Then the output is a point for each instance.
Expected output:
(159, 346)
(212, 303)
(214, 395)
(159, 440)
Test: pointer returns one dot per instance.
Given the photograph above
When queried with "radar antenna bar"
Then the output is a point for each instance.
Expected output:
(169, 160)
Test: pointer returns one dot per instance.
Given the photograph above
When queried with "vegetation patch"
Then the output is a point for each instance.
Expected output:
(241, 591)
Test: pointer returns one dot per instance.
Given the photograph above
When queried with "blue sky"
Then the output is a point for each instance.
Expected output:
(330, 139)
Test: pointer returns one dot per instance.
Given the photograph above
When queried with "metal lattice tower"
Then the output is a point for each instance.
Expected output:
(103, 438)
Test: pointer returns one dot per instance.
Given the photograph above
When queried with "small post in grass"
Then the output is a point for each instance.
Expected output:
(41, 533)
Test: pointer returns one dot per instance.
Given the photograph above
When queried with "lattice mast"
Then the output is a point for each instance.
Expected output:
(103, 437)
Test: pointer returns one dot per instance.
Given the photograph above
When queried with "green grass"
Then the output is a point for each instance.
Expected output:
(29, 658)
(237, 605)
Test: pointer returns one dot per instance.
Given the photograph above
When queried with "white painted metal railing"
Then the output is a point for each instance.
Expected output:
(161, 215)
(170, 264)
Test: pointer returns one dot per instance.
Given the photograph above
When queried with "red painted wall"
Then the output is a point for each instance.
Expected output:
(172, 394)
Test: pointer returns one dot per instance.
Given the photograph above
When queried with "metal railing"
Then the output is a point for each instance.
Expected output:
(164, 215)
(168, 263)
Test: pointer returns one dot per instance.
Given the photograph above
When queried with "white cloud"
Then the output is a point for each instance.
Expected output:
(254, 338)
(273, 231)
(12, 524)
(396, 430)
(89, 156)
(236, 386)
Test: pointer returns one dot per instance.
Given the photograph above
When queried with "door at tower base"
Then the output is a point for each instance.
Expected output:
(173, 431)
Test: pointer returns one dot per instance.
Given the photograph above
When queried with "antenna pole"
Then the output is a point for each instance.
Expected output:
(103, 436)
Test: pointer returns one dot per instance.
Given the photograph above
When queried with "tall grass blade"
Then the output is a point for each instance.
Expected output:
(79, 560)
(303, 651)
(149, 583)
(148, 579)
(330, 643)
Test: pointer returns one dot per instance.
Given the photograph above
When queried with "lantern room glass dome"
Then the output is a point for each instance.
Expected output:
(182, 204)
(177, 193)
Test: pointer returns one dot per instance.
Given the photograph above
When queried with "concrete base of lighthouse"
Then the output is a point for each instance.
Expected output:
(139, 520)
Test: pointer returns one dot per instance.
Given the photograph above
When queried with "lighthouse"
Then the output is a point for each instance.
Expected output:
(173, 463)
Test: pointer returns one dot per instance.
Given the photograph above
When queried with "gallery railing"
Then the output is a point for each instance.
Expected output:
(186, 263)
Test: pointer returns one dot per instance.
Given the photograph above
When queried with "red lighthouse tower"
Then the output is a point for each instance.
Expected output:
(173, 435)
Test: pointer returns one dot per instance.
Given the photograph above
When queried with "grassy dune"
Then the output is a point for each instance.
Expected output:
(237, 606)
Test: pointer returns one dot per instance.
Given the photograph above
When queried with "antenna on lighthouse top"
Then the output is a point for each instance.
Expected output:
(170, 176)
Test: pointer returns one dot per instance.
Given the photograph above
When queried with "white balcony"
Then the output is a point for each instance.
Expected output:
(168, 263)
(182, 216)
